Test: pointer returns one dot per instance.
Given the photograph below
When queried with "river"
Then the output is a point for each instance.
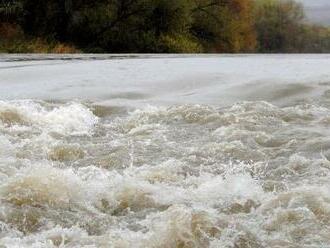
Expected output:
(165, 151)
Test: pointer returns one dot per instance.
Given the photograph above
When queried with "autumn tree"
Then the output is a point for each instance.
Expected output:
(163, 26)
(224, 26)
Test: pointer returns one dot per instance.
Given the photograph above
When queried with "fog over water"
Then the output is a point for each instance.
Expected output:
(165, 151)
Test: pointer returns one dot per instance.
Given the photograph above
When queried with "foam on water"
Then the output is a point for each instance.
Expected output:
(70, 119)
(248, 175)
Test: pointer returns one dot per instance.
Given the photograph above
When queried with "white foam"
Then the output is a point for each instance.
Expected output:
(73, 119)
(70, 119)
(6, 147)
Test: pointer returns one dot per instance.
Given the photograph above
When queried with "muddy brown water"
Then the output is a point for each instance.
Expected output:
(202, 151)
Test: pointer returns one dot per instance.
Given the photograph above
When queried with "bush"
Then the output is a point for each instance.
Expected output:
(13, 40)
(178, 44)
(10, 31)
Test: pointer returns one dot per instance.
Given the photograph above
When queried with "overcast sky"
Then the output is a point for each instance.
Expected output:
(317, 11)
(316, 3)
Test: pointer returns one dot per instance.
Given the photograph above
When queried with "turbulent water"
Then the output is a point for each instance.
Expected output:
(209, 161)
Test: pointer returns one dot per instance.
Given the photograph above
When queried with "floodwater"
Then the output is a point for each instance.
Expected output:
(165, 151)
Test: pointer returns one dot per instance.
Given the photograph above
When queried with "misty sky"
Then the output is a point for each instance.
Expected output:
(316, 3)
(318, 11)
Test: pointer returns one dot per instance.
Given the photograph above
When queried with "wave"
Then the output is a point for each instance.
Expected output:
(249, 175)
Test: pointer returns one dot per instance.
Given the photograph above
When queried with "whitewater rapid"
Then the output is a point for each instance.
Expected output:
(182, 152)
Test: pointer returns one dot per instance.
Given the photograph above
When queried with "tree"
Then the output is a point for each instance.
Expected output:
(164, 25)
(135, 26)
(10, 10)
(224, 25)
(279, 25)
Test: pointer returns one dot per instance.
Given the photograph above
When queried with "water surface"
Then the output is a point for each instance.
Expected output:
(165, 151)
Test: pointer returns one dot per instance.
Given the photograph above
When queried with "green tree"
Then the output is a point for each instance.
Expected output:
(279, 25)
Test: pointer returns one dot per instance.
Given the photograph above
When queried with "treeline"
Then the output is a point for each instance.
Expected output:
(164, 26)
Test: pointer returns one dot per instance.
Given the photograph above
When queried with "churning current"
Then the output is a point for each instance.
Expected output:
(165, 151)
